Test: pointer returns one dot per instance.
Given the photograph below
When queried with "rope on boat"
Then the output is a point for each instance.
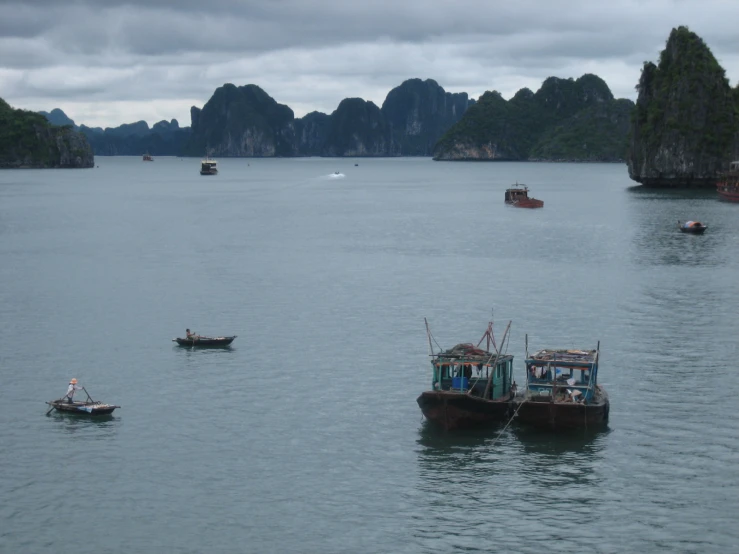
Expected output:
(509, 422)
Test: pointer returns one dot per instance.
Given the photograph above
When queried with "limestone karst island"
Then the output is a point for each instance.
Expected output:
(682, 131)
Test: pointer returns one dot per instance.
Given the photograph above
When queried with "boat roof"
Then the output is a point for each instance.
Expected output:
(518, 186)
(563, 356)
(468, 353)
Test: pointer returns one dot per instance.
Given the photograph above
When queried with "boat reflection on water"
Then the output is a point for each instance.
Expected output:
(515, 454)
(447, 453)
(506, 487)
(98, 428)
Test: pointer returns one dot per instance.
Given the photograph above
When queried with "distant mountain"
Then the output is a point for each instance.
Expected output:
(242, 122)
(418, 113)
(28, 140)
(246, 121)
(565, 119)
(685, 127)
(58, 117)
(165, 138)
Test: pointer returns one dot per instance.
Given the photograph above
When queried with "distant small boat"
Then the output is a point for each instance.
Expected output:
(205, 341)
(518, 196)
(83, 408)
(694, 227)
(727, 185)
(208, 167)
(148, 158)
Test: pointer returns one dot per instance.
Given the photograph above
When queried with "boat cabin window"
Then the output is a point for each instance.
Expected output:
(538, 372)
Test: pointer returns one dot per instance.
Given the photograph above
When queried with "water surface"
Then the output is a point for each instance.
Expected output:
(305, 436)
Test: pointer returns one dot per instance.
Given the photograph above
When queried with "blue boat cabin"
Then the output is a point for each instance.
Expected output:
(569, 375)
(472, 372)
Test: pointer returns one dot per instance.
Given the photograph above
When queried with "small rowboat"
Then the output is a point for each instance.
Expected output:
(83, 408)
(695, 227)
(205, 341)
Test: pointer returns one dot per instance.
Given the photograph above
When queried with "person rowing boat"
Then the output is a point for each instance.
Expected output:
(69, 398)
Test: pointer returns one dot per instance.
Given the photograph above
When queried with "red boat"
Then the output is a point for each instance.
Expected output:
(518, 196)
(728, 183)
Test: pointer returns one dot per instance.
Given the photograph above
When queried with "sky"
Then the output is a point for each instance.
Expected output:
(109, 62)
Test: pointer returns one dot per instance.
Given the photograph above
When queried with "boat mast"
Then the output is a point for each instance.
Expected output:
(526, 367)
(495, 363)
(428, 334)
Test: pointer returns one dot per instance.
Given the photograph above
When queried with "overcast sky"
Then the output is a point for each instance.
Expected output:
(108, 62)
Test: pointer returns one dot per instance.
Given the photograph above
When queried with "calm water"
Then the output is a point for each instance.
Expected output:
(305, 436)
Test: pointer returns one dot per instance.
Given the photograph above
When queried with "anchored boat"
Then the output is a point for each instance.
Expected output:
(727, 185)
(469, 385)
(199, 341)
(562, 390)
(518, 196)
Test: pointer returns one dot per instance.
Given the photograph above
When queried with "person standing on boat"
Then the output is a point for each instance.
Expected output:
(191, 336)
(71, 390)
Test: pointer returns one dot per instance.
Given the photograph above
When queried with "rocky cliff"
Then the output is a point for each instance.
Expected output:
(684, 129)
(356, 128)
(242, 121)
(246, 121)
(28, 140)
(418, 113)
(565, 119)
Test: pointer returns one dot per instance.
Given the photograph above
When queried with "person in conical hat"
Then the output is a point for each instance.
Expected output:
(71, 390)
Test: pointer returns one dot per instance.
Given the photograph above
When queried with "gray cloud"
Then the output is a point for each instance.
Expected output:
(107, 62)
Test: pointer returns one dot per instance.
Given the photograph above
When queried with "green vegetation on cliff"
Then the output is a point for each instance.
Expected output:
(565, 119)
(598, 133)
(27, 139)
(683, 130)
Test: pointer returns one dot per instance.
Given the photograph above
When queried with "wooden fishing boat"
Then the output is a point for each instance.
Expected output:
(727, 185)
(518, 196)
(205, 341)
(91, 408)
(694, 227)
(562, 390)
(469, 386)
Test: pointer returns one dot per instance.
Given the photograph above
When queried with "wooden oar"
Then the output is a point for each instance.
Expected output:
(88, 395)
(52, 405)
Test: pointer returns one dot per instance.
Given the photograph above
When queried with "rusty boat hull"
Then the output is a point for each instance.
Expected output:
(531, 203)
(557, 416)
(458, 410)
